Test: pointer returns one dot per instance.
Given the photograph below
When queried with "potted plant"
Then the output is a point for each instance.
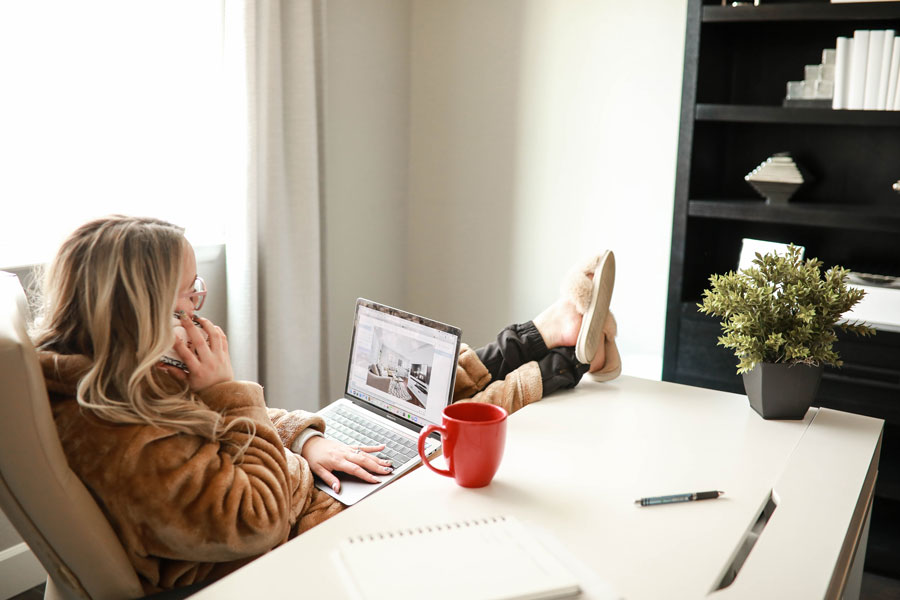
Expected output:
(779, 317)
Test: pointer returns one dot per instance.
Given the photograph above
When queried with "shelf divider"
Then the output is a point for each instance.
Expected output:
(866, 218)
(743, 113)
(802, 11)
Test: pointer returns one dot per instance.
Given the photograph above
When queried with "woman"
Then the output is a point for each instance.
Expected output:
(196, 475)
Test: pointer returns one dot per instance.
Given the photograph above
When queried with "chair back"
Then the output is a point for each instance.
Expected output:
(42, 497)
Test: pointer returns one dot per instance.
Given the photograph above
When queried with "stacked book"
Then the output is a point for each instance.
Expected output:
(866, 71)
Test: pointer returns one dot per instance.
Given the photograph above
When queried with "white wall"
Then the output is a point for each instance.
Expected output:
(465, 183)
(542, 131)
(365, 136)
(474, 150)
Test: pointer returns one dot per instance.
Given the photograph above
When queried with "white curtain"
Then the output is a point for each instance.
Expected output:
(274, 257)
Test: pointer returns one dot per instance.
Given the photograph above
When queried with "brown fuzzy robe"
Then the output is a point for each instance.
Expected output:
(183, 508)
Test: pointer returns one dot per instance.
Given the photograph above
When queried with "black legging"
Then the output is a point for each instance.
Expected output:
(522, 343)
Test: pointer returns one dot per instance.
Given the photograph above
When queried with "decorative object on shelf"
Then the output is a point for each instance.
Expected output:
(817, 88)
(777, 178)
(779, 317)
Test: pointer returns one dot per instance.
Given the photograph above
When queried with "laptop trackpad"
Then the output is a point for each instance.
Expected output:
(353, 489)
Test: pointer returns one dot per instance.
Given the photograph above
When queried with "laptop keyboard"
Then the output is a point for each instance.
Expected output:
(354, 430)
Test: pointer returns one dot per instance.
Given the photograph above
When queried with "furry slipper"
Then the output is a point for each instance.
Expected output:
(591, 297)
(612, 368)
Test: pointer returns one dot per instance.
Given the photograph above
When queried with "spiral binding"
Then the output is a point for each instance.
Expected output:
(423, 529)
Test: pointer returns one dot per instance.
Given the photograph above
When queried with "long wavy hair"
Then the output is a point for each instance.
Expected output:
(110, 295)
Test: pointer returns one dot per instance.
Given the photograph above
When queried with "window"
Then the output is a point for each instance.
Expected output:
(109, 107)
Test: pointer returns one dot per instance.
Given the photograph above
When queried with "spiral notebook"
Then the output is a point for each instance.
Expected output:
(493, 558)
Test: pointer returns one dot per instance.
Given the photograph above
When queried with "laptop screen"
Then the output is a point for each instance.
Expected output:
(402, 363)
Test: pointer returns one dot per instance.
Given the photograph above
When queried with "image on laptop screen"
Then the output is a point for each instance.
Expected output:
(402, 363)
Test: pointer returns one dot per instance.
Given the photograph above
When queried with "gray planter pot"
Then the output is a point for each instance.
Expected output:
(782, 391)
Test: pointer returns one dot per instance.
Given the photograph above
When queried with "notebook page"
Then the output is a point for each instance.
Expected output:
(482, 559)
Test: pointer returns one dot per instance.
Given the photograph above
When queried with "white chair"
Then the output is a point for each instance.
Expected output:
(42, 497)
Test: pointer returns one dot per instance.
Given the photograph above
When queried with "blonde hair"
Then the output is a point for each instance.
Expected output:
(110, 295)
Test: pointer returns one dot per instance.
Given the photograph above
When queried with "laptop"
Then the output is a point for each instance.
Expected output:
(400, 378)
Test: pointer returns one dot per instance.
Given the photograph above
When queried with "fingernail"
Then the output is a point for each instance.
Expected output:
(388, 470)
(336, 486)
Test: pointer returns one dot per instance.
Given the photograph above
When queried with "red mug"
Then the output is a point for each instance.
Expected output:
(473, 436)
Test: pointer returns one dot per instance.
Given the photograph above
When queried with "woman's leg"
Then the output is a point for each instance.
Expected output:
(515, 345)
(556, 327)
(522, 343)
(580, 319)
(560, 370)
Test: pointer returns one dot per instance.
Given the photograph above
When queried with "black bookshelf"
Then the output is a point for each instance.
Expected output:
(737, 63)
(797, 116)
(801, 11)
(807, 215)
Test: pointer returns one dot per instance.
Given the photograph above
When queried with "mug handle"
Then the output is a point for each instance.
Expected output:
(425, 433)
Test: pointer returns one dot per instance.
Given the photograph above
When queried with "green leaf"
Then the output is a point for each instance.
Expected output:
(782, 309)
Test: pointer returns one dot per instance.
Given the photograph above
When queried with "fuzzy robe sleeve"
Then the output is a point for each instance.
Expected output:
(520, 388)
(290, 424)
(189, 498)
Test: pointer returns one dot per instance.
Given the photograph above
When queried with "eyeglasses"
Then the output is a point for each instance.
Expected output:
(197, 293)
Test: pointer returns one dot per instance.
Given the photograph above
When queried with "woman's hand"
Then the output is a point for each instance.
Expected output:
(207, 361)
(325, 456)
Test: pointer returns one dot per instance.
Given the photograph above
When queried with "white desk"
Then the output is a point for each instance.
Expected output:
(576, 461)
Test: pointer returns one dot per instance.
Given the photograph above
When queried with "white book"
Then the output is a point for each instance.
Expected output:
(859, 56)
(897, 95)
(841, 75)
(884, 79)
(873, 69)
(489, 558)
(894, 76)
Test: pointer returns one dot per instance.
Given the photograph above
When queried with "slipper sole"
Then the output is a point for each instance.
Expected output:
(591, 333)
(613, 367)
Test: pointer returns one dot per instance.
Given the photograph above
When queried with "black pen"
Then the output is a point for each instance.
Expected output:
(678, 498)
